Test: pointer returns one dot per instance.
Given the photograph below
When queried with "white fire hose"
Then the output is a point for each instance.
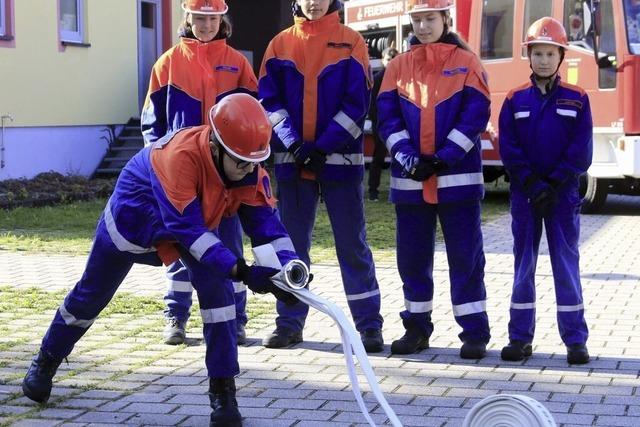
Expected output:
(509, 410)
(293, 278)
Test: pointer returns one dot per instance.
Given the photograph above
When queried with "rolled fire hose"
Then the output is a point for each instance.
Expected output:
(509, 410)
(293, 277)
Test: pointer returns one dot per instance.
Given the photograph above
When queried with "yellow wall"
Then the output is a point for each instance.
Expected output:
(43, 86)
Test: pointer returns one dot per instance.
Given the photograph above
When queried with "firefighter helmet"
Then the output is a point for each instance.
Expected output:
(416, 6)
(205, 7)
(241, 125)
(546, 30)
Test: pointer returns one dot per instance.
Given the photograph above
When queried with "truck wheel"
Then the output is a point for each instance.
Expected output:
(593, 192)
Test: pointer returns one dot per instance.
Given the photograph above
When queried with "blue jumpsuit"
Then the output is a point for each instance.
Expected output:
(549, 137)
(434, 101)
(147, 219)
(314, 84)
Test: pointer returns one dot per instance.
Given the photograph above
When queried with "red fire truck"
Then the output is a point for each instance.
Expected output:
(604, 59)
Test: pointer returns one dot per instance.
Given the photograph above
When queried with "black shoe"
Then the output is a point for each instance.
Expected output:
(372, 340)
(473, 350)
(241, 334)
(411, 342)
(222, 397)
(577, 354)
(373, 196)
(282, 337)
(38, 381)
(516, 351)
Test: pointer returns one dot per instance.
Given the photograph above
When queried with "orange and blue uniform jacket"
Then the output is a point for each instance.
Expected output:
(434, 101)
(188, 80)
(315, 84)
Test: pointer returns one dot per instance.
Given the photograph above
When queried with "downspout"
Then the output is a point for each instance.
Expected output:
(3, 118)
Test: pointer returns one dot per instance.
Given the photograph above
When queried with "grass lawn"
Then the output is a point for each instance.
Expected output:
(69, 229)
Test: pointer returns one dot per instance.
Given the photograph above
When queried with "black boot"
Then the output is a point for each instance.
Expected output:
(473, 350)
(38, 381)
(516, 351)
(411, 342)
(577, 354)
(222, 395)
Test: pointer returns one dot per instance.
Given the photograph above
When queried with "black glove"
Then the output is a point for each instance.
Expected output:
(308, 157)
(542, 198)
(258, 279)
(420, 168)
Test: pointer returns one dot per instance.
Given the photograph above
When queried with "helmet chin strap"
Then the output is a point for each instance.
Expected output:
(217, 154)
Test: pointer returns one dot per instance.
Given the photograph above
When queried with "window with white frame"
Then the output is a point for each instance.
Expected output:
(3, 18)
(71, 21)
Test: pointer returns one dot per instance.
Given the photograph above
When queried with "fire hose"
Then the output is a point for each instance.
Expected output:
(509, 410)
(293, 277)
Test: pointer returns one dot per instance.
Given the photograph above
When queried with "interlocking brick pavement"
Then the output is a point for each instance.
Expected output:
(307, 385)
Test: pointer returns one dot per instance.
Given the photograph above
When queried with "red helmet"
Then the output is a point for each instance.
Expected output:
(205, 7)
(416, 6)
(242, 127)
(546, 30)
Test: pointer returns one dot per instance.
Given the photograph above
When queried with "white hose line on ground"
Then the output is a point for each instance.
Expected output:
(292, 279)
(509, 410)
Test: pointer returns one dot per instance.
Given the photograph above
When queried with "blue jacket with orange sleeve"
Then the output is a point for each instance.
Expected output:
(188, 80)
(172, 192)
(315, 85)
(547, 136)
(434, 101)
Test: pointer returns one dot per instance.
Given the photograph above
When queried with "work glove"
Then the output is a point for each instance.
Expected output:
(258, 280)
(542, 196)
(308, 157)
(419, 168)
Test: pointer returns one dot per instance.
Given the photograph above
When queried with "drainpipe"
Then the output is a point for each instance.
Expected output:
(3, 118)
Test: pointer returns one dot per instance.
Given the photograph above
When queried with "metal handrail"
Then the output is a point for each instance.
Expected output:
(2, 119)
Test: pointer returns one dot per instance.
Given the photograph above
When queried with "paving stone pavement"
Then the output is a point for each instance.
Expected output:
(307, 385)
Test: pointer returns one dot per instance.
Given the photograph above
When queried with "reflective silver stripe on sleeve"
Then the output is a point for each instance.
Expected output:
(277, 116)
(521, 115)
(394, 138)
(204, 242)
(461, 140)
(280, 158)
(446, 181)
(363, 295)
(282, 244)
(470, 308)
(418, 306)
(332, 159)
(218, 315)
(179, 286)
(72, 320)
(567, 113)
(405, 184)
(348, 124)
(118, 239)
(239, 287)
(569, 308)
(523, 306)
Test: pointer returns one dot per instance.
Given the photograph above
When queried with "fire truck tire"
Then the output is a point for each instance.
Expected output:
(593, 192)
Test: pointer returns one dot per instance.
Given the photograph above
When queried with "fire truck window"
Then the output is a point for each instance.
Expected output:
(575, 25)
(607, 76)
(533, 11)
(497, 29)
(632, 18)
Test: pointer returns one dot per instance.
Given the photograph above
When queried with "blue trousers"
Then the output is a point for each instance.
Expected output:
(179, 290)
(562, 225)
(297, 203)
(106, 269)
(415, 235)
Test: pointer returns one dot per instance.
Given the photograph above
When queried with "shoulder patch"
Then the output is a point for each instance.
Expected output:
(227, 68)
(453, 71)
(570, 102)
(337, 45)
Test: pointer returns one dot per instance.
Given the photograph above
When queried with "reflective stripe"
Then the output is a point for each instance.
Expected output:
(405, 184)
(569, 308)
(363, 295)
(72, 320)
(218, 315)
(239, 287)
(418, 306)
(521, 115)
(461, 139)
(118, 239)
(458, 180)
(180, 286)
(204, 242)
(523, 306)
(565, 112)
(470, 308)
(394, 138)
(283, 244)
(356, 159)
(277, 116)
(348, 124)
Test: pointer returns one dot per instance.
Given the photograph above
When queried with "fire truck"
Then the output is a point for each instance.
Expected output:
(603, 58)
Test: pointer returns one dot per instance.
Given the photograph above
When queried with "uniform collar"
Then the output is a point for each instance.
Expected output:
(325, 24)
(433, 51)
(212, 45)
(553, 86)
